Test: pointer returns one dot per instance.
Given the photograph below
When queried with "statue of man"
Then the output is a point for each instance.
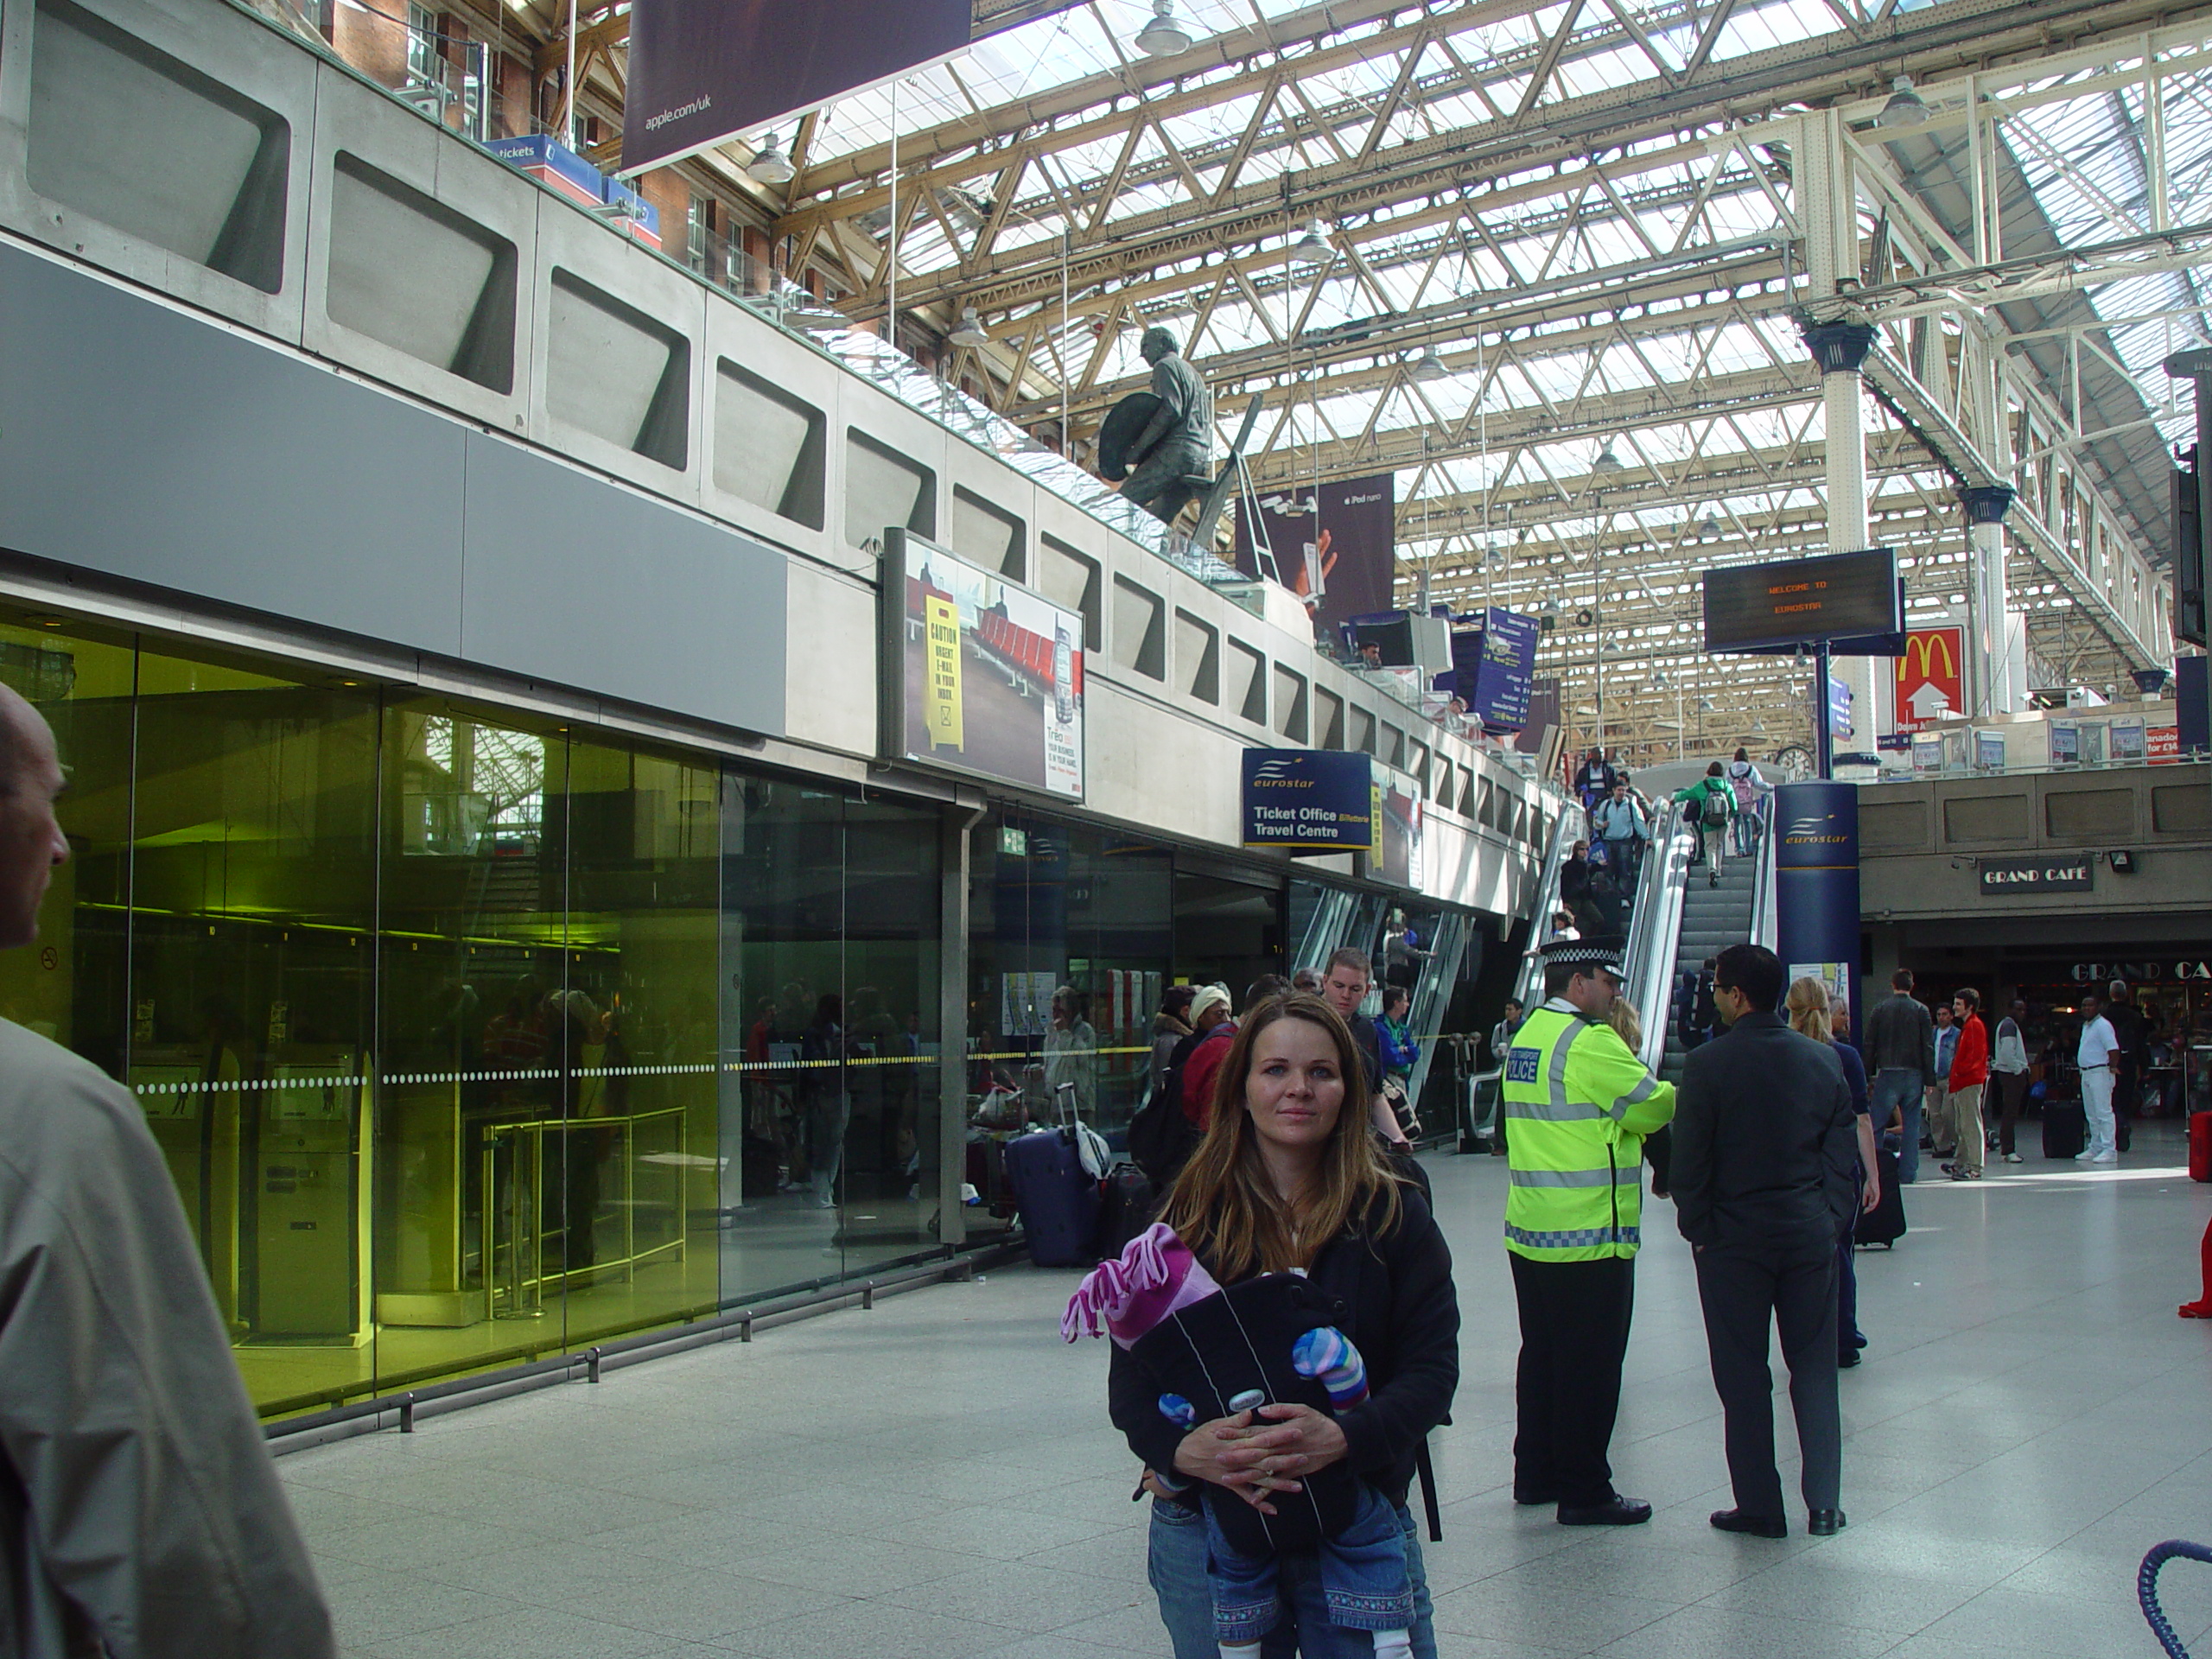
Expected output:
(1174, 455)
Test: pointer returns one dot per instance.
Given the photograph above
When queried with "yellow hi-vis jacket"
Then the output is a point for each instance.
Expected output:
(1580, 1104)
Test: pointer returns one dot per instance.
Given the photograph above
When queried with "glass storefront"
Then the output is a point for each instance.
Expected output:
(470, 1038)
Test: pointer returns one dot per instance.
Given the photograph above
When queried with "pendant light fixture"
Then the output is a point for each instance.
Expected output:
(1162, 36)
(970, 329)
(770, 165)
(1906, 108)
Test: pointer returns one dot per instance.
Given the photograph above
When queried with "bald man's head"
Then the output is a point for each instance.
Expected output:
(31, 841)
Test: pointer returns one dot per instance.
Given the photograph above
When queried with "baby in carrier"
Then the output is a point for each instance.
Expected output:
(1214, 1353)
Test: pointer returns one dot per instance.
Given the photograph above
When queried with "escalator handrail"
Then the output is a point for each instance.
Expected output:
(1528, 983)
(1765, 927)
(1656, 932)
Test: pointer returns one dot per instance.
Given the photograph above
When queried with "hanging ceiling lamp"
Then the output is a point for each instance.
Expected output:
(770, 165)
(1311, 248)
(970, 329)
(1607, 463)
(1906, 108)
(1428, 365)
(1162, 36)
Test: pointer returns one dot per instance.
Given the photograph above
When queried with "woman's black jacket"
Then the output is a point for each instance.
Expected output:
(1395, 1299)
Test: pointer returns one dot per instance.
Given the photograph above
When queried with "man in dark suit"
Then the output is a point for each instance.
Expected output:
(1765, 1174)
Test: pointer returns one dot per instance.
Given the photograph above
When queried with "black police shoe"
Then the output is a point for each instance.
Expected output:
(1825, 1524)
(1759, 1526)
(1615, 1512)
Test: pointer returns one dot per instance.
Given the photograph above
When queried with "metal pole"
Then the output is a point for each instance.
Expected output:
(569, 137)
(1824, 733)
(890, 235)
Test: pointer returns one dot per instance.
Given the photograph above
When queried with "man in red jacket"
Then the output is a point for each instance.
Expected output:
(1969, 1075)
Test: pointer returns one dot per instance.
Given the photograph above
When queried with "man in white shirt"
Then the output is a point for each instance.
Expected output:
(2008, 1067)
(2100, 1045)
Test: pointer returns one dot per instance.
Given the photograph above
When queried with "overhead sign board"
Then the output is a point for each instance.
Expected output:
(701, 72)
(1310, 800)
(977, 674)
(2014, 877)
(1505, 671)
(1930, 679)
(1802, 601)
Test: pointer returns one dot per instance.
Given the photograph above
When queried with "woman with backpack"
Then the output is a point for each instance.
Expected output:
(1711, 807)
(1749, 790)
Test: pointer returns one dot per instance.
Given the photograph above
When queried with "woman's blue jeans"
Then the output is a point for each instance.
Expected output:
(1177, 1567)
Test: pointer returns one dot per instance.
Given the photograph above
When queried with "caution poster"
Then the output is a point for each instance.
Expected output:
(941, 704)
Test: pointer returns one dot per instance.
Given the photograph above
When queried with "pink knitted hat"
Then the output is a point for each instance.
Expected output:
(1155, 1276)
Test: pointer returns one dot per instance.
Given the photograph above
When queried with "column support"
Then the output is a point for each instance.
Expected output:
(956, 837)
(1989, 685)
(1840, 348)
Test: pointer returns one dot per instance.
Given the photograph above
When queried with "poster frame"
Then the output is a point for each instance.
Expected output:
(891, 671)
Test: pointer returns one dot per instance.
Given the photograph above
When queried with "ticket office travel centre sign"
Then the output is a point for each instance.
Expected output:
(1311, 801)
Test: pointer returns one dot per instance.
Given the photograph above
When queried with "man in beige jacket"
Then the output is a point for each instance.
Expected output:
(139, 1516)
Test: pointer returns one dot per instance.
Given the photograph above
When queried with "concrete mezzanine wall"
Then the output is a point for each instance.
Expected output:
(526, 458)
(1919, 843)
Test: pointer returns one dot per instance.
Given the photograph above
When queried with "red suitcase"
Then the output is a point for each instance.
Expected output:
(2200, 1146)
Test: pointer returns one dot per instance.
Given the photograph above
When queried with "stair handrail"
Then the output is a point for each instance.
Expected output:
(1655, 935)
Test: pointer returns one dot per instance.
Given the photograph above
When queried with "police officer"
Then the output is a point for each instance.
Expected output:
(1580, 1104)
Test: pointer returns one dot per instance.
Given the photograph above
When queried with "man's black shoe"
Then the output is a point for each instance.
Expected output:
(1848, 1358)
(1825, 1524)
(1614, 1512)
(1530, 1497)
(1759, 1526)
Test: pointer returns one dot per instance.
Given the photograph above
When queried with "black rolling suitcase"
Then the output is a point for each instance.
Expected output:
(2065, 1128)
(1884, 1223)
(1125, 1209)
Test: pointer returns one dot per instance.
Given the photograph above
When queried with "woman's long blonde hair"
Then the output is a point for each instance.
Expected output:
(1224, 1205)
(1623, 1019)
(1808, 1009)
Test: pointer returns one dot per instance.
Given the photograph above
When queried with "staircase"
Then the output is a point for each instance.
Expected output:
(1713, 919)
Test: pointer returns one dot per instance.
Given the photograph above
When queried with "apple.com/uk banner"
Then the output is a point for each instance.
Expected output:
(1335, 547)
(704, 71)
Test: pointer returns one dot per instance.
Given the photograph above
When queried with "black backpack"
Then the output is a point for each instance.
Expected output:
(1161, 1140)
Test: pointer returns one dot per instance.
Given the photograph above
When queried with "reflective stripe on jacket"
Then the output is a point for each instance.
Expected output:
(1581, 1105)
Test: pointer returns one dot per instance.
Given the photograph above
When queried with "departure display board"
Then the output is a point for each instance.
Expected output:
(1802, 601)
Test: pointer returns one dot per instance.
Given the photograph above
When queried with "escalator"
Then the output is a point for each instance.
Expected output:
(1683, 917)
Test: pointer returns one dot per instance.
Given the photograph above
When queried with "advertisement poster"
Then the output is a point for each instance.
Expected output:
(2065, 743)
(1026, 1003)
(1989, 751)
(1310, 800)
(1335, 547)
(2162, 745)
(2129, 741)
(1931, 683)
(979, 674)
(703, 70)
(1398, 858)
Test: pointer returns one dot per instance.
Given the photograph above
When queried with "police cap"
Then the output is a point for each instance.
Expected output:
(1601, 955)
